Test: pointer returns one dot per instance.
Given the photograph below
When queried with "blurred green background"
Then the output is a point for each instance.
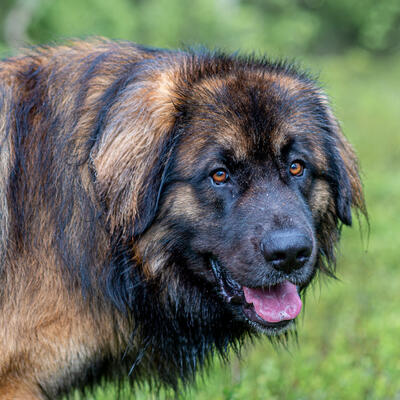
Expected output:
(349, 337)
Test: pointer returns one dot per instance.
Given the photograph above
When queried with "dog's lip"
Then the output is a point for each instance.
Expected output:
(231, 290)
(233, 293)
(250, 313)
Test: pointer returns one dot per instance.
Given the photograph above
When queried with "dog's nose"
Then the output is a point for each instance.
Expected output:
(286, 250)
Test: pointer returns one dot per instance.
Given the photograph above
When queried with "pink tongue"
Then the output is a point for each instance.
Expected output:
(280, 302)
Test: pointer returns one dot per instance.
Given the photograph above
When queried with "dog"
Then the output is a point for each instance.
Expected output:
(158, 207)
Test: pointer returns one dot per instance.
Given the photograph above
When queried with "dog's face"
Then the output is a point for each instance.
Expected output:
(251, 195)
(251, 232)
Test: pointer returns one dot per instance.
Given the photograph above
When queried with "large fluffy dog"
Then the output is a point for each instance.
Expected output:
(155, 207)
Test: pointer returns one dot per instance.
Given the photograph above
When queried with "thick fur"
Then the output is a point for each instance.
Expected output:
(108, 215)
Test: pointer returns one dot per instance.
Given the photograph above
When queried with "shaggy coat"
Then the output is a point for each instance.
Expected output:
(149, 200)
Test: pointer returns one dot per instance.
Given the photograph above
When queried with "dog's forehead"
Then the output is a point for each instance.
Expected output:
(255, 114)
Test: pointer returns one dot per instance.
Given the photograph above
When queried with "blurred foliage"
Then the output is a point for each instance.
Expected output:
(290, 27)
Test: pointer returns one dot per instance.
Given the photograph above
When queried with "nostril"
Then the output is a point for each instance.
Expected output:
(303, 254)
(278, 256)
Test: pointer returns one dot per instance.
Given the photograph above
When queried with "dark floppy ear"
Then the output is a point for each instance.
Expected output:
(131, 156)
(147, 202)
(348, 187)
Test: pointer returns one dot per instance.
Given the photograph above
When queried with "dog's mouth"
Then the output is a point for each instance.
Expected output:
(270, 309)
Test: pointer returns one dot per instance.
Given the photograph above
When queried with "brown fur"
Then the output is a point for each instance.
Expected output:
(82, 146)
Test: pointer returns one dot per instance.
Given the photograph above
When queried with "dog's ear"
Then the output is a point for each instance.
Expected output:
(132, 152)
(347, 186)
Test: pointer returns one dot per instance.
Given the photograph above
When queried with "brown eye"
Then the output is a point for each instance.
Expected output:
(296, 168)
(220, 177)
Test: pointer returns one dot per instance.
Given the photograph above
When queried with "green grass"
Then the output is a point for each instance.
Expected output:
(349, 337)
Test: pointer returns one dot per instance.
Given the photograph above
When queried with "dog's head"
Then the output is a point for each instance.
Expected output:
(229, 178)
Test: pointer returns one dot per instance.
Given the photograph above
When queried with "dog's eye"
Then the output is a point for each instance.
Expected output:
(220, 177)
(296, 168)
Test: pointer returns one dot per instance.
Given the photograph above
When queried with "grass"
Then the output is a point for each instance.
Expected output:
(349, 337)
